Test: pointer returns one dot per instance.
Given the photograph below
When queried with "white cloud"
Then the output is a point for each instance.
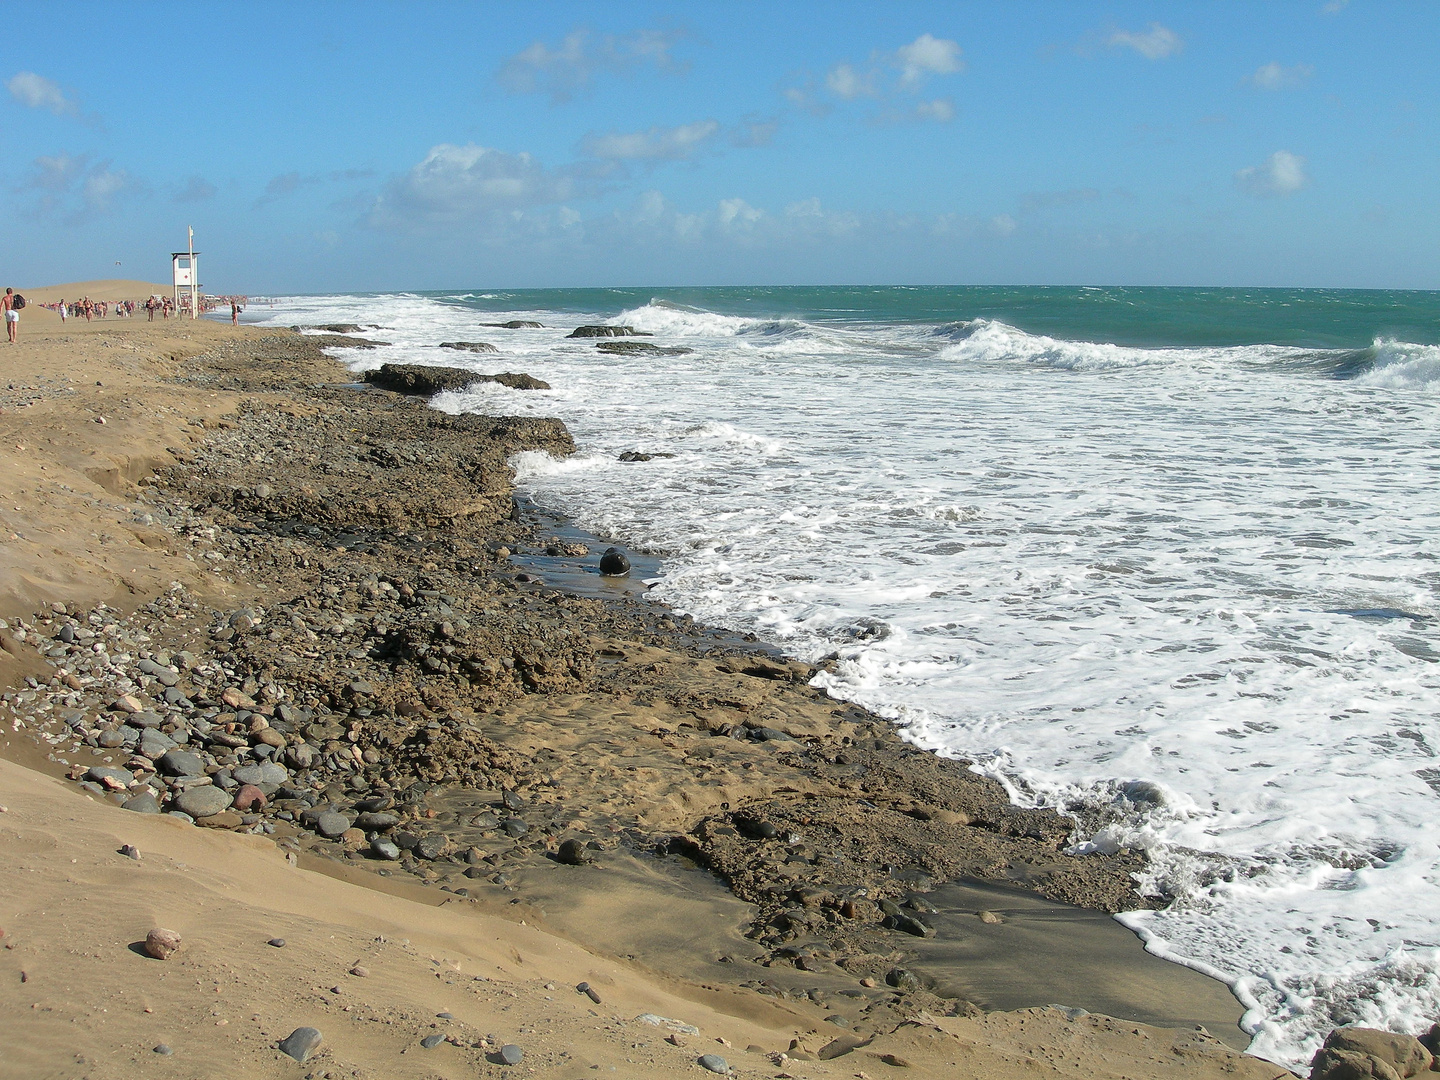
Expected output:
(1334, 7)
(927, 55)
(456, 184)
(845, 82)
(102, 185)
(1272, 76)
(1282, 173)
(1003, 225)
(738, 214)
(571, 66)
(38, 92)
(941, 110)
(58, 172)
(1155, 43)
(74, 185)
(657, 144)
(916, 62)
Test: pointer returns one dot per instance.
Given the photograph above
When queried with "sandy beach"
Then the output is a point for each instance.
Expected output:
(459, 775)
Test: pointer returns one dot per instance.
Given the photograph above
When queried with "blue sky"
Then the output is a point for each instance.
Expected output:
(369, 146)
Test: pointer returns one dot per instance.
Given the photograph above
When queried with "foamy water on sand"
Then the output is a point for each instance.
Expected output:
(1188, 591)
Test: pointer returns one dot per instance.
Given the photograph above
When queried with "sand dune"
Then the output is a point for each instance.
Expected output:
(113, 289)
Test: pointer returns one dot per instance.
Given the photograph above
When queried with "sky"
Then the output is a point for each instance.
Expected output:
(318, 147)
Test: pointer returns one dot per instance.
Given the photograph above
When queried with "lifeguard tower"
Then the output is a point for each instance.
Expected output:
(185, 270)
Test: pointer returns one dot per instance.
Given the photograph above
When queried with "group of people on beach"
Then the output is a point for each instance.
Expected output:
(93, 309)
(12, 302)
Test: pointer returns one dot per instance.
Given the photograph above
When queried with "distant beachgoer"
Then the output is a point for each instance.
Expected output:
(12, 317)
(64, 313)
(234, 313)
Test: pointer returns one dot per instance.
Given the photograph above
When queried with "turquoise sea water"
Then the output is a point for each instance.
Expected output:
(1139, 316)
(1168, 559)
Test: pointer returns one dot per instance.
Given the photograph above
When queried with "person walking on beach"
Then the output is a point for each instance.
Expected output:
(234, 313)
(64, 312)
(12, 316)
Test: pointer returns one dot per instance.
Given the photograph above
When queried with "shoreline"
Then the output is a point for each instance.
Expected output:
(658, 745)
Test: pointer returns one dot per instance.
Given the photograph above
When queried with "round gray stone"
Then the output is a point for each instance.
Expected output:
(511, 1054)
(181, 763)
(330, 824)
(144, 803)
(100, 773)
(429, 1042)
(715, 1063)
(201, 802)
(384, 849)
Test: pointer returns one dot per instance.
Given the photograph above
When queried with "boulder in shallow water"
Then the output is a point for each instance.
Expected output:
(469, 346)
(426, 381)
(419, 379)
(614, 563)
(607, 331)
(642, 348)
(516, 324)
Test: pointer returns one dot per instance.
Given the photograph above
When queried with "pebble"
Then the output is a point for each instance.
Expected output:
(163, 1050)
(514, 827)
(100, 773)
(432, 846)
(714, 1063)
(429, 1042)
(276, 942)
(360, 971)
(249, 797)
(384, 849)
(903, 980)
(202, 801)
(511, 1054)
(300, 1043)
(161, 943)
(614, 563)
(144, 803)
(574, 853)
(589, 991)
(331, 824)
(181, 763)
(130, 851)
(513, 800)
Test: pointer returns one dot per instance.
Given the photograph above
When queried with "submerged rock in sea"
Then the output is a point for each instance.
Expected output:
(469, 346)
(614, 563)
(641, 347)
(607, 331)
(516, 324)
(427, 381)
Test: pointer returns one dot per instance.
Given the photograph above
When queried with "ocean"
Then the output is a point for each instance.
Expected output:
(1167, 559)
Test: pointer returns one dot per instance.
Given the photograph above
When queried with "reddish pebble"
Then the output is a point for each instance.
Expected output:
(161, 943)
(249, 797)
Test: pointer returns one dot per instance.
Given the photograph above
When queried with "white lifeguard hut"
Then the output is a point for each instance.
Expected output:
(185, 270)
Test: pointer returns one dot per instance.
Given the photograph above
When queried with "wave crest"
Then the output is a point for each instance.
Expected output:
(668, 317)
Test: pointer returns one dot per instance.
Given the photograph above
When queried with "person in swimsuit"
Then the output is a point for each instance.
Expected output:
(12, 317)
